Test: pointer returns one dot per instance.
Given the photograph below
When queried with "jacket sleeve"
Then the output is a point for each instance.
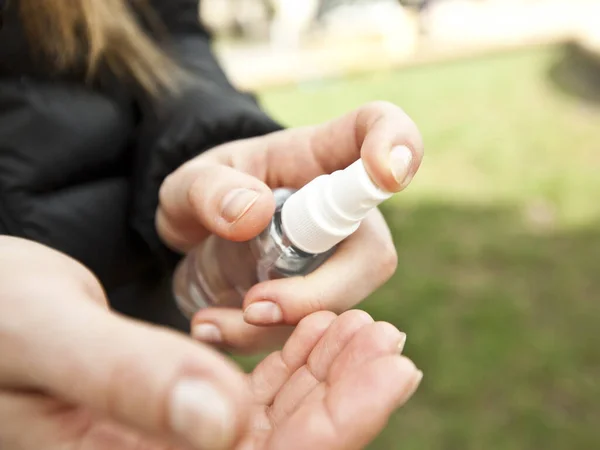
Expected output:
(208, 113)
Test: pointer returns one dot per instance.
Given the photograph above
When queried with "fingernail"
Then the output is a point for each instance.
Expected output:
(401, 343)
(237, 203)
(207, 332)
(263, 313)
(417, 381)
(412, 388)
(201, 415)
(400, 163)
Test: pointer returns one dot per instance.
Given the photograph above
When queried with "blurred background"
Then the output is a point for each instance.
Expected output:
(498, 283)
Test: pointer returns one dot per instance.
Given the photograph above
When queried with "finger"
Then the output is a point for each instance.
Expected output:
(305, 379)
(335, 340)
(354, 410)
(372, 341)
(199, 199)
(226, 328)
(361, 264)
(30, 421)
(379, 133)
(379, 387)
(151, 379)
(275, 370)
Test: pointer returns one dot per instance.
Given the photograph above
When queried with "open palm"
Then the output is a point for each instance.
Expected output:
(333, 386)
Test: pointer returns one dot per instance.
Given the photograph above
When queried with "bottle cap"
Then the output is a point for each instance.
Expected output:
(330, 208)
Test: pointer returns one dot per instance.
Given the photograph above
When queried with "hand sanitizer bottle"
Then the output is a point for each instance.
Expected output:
(305, 229)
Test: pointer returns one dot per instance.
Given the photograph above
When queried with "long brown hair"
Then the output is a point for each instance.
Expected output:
(102, 32)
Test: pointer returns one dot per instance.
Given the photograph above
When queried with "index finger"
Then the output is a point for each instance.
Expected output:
(292, 158)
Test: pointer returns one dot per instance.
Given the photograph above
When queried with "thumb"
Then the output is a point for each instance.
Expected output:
(199, 199)
(157, 381)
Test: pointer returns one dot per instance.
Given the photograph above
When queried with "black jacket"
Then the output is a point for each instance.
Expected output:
(80, 165)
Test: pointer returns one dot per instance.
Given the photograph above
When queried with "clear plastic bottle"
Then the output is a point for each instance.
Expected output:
(305, 229)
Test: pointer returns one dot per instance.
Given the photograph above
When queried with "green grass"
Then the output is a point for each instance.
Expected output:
(499, 245)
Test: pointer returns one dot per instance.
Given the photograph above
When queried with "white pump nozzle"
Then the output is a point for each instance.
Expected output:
(330, 208)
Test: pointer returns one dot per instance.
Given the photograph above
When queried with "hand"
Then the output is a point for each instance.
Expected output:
(73, 375)
(332, 387)
(196, 201)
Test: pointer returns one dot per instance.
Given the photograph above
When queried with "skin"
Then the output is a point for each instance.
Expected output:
(75, 375)
(192, 196)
